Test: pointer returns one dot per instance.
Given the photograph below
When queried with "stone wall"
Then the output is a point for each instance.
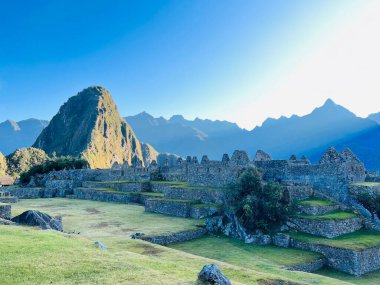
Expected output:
(175, 208)
(96, 195)
(35, 193)
(175, 237)
(346, 260)
(5, 211)
(311, 266)
(327, 228)
(298, 192)
(358, 190)
(206, 196)
(203, 211)
(317, 210)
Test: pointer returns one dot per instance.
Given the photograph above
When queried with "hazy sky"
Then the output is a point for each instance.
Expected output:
(241, 61)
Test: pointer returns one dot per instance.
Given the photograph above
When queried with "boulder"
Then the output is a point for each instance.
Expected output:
(281, 240)
(100, 245)
(211, 275)
(38, 219)
(137, 235)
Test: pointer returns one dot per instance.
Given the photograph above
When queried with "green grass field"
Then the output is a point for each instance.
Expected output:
(100, 220)
(336, 215)
(32, 256)
(316, 202)
(357, 241)
(250, 256)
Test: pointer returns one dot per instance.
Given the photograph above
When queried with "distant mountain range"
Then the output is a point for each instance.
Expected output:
(14, 135)
(328, 125)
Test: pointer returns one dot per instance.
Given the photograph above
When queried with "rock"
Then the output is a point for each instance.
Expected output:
(281, 240)
(35, 218)
(211, 275)
(137, 235)
(264, 240)
(6, 222)
(284, 228)
(101, 245)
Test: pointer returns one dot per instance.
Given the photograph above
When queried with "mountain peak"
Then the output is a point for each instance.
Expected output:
(89, 125)
(329, 102)
(177, 118)
(13, 125)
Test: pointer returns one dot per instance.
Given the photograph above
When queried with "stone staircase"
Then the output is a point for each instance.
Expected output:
(125, 192)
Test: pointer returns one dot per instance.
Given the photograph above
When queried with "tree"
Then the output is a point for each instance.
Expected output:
(258, 205)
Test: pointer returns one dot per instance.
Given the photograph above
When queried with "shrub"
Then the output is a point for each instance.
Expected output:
(256, 204)
(3, 165)
(55, 164)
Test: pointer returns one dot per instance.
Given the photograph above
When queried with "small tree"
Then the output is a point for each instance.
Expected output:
(258, 205)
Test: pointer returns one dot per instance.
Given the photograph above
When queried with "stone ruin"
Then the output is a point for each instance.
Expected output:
(332, 175)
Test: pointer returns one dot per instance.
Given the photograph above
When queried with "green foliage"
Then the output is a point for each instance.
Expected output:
(3, 165)
(316, 202)
(258, 205)
(56, 164)
(156, 176)
(22, 160)
(356, 241)
(336, 215)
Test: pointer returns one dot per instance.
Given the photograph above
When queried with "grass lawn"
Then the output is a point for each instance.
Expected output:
(357, 241)
(372, 278)
(336, 215)
(250, 256)
(33, 256)
(369, 184)
(316, 202)
(100, 220)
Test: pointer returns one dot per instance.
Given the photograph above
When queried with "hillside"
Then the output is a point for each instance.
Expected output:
(15, 135)
(89, 125)
(375, 117)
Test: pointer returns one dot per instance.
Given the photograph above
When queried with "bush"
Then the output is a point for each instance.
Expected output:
(258, 205)
(3, 165)
(54, 164)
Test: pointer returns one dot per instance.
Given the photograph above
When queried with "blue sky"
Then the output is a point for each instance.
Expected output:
(232, 60)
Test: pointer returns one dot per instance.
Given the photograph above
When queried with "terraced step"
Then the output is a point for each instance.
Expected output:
(124, 185)
(8, 199)
(355, 253)
(329, 225)
(316, 207)
(171, 207)
(200, 211)
(5, 211)
(112, 195)
(206, 195)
